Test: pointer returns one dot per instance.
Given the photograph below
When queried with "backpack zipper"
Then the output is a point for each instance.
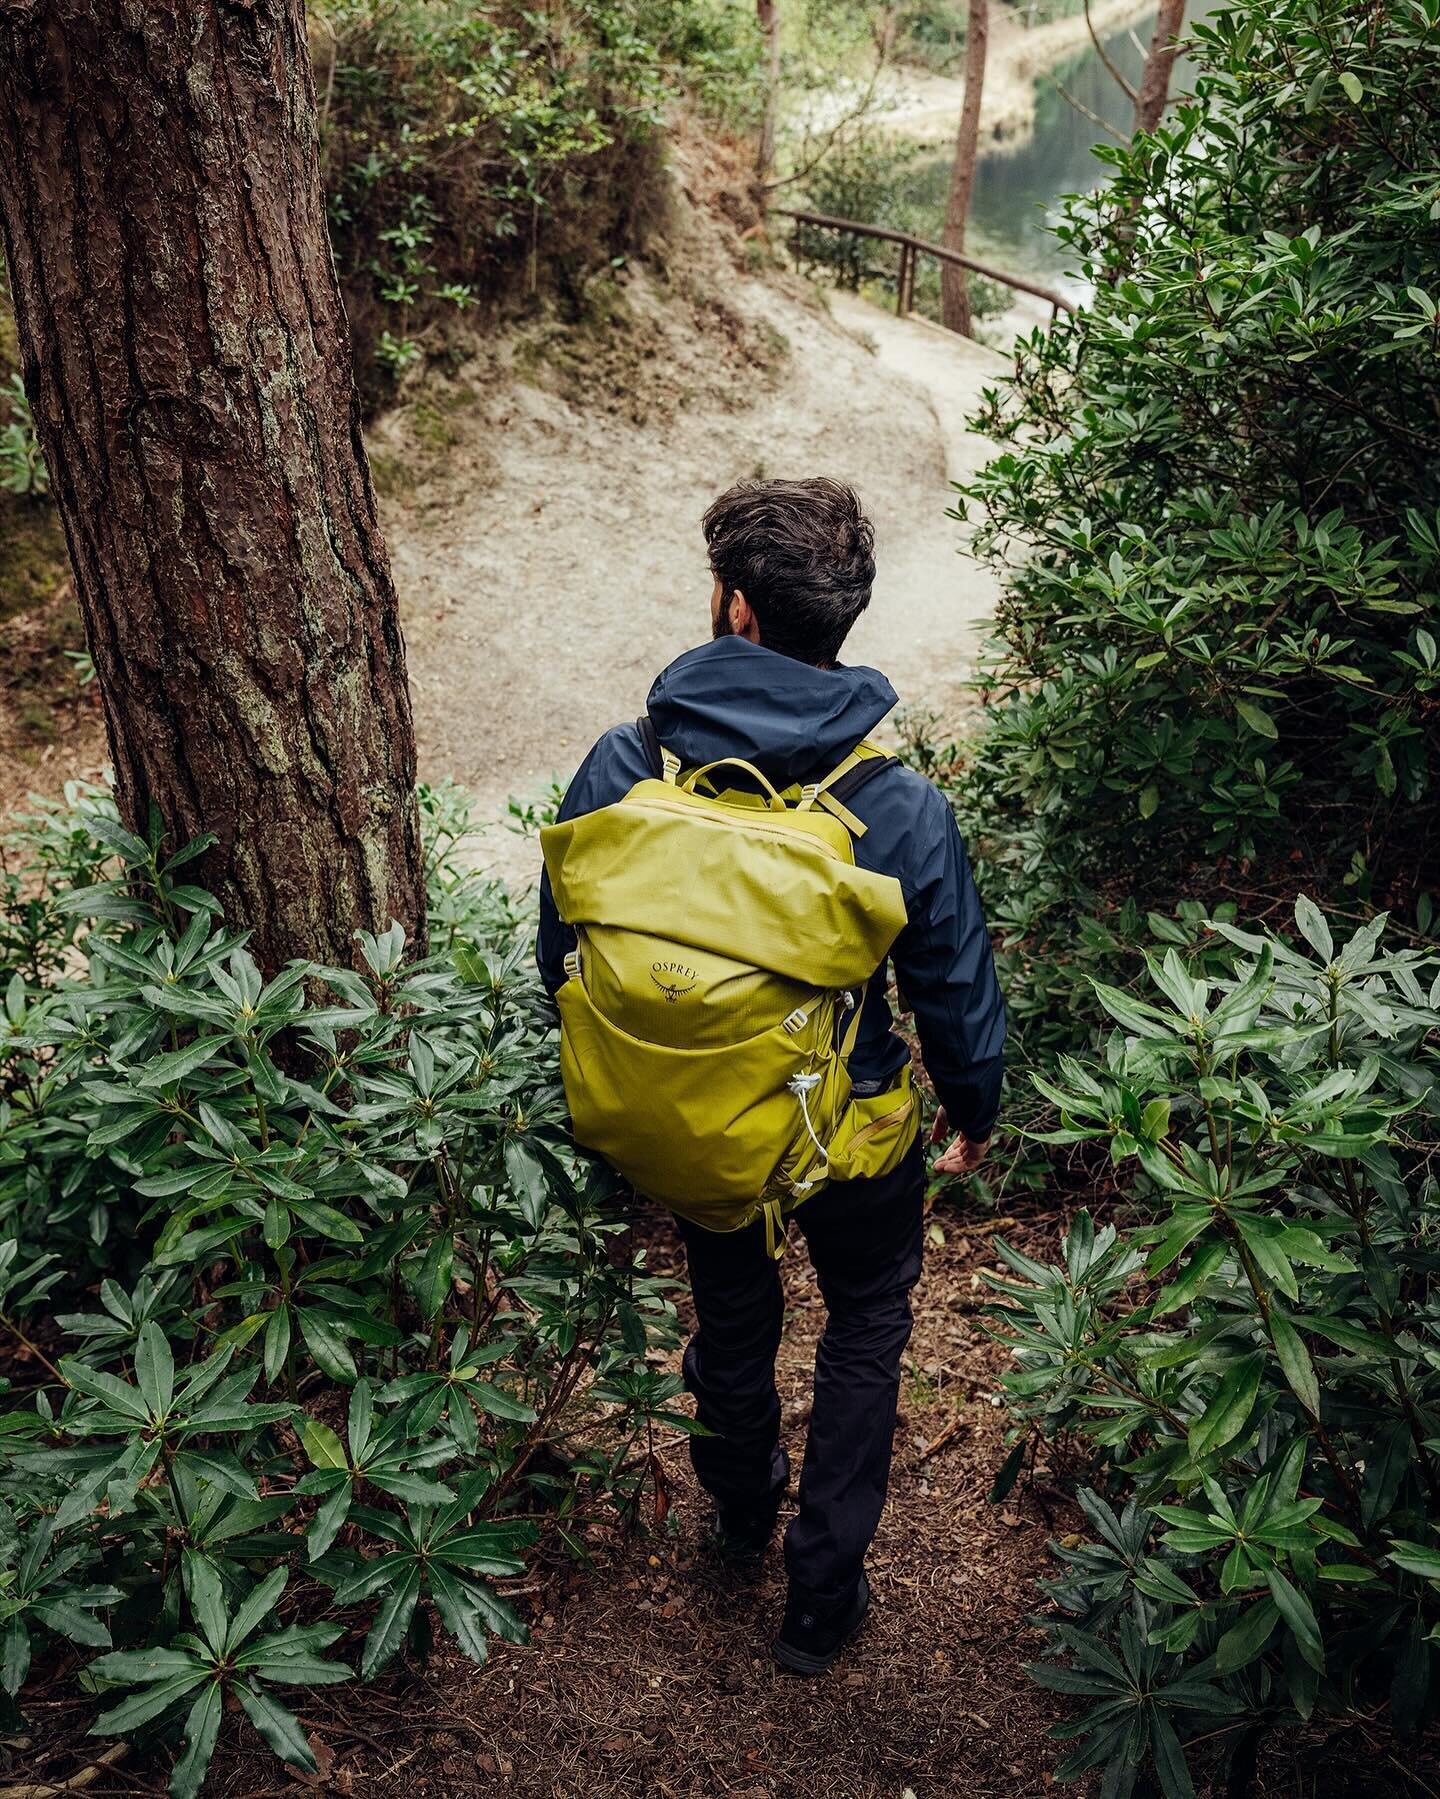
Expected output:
(879, 1124)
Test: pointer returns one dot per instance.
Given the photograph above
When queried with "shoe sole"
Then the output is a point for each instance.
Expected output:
(796, 1661)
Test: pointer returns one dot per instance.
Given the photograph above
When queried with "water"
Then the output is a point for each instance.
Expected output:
(1018, 187)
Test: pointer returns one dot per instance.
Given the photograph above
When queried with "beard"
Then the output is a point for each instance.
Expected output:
(720, 627)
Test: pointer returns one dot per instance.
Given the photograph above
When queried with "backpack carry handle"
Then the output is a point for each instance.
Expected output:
(851, 774)
(698, 774)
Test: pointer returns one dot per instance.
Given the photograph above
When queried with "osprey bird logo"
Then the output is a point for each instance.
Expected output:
(664, 976)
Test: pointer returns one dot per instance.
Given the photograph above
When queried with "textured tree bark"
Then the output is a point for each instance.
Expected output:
(1164, 48)
(955, 283)
(767, 15)
(186, 355)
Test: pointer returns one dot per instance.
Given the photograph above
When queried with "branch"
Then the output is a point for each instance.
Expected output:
(1084, 111)
(86, 1776)
(849, 118)
(1125, 87)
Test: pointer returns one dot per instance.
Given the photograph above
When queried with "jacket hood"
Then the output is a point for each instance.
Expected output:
(794, 722)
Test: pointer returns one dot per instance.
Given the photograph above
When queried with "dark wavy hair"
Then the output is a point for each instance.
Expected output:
(803, 555)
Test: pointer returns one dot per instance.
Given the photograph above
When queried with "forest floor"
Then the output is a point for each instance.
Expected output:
(649, 1672)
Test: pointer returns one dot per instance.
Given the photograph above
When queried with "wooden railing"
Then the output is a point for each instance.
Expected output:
(912, 247)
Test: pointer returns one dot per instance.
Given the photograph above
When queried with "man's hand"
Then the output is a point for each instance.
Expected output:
(962, 1156)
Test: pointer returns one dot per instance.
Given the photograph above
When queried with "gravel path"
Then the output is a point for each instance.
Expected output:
(540, 603)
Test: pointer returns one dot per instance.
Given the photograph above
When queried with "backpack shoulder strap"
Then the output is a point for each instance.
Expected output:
(872, 762)
(845, 780)
(649, 741)
(662, 763)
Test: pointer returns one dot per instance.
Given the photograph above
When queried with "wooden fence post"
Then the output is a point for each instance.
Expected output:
(913, 247)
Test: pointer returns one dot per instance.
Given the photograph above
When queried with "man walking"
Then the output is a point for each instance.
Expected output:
(793, 567)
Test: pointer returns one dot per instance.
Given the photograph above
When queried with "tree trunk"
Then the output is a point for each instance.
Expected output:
(955, 282)
(1164, 48)
(187, 358)
(768, 15)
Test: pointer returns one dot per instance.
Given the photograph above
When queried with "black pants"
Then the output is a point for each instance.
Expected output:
(865, 1240)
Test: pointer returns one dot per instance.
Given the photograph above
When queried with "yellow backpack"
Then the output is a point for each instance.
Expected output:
(724, 939)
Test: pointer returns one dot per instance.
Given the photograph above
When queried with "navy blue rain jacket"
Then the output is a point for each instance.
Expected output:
(796, 723)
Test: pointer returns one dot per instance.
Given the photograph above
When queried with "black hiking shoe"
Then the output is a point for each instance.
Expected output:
(811, 1639)
(743, 1532)
(744, 1527)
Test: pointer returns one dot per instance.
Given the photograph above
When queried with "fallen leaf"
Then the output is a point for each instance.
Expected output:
(662, 1497)
(324, 1762)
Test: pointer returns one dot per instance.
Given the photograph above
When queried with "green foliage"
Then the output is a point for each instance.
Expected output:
(344, 1325)
(1259, 1368)
(932, 34)
(222, 1658)
(865, 175)
(465, 146)
(22, 461)
(45, 855)
(860, 178)
(464, 904)
(1220, 507)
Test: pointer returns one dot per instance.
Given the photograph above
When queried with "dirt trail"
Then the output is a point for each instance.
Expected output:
(539, 609)
(547, 547)
(949, 370)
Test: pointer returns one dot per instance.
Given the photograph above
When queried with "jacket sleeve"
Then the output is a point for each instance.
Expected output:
(607, 774)
(945, 970)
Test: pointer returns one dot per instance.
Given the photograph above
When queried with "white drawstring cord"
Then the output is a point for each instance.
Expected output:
(800, 1085)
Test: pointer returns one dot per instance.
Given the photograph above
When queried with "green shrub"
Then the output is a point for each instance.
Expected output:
(1257, 1371)
(469, 149)
(859, 178)
(932, 34)
(316, 1323)
(22, 461)
(1219, 514)
(45, 856)
(865, 176)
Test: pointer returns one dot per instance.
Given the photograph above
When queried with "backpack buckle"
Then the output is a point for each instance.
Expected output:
(797, 1020)
(572, 965)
